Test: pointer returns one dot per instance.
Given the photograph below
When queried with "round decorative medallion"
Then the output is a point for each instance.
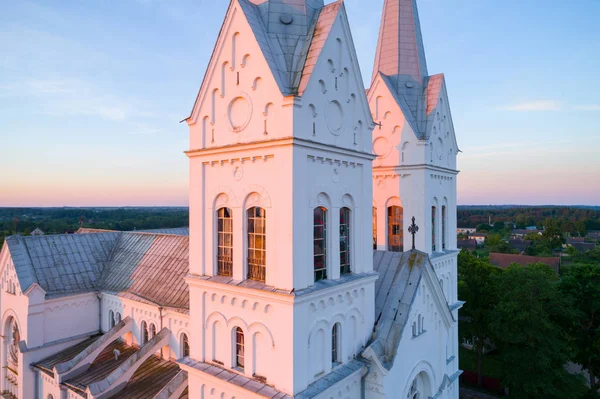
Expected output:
(336, 175)
(286, 19)
(238, 173)
(382, 147)
(335, 117)
(239, 113)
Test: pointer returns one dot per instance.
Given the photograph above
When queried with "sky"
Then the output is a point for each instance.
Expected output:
(92, 92)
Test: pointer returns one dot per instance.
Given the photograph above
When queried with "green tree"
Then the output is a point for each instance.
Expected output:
(530, 325)
(581, 283)
(474, 287)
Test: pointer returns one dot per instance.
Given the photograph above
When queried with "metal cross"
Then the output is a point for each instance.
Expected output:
(413, 229)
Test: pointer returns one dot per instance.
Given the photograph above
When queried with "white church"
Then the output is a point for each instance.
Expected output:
(321, 258)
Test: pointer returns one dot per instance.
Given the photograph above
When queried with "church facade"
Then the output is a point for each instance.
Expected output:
(321, 257)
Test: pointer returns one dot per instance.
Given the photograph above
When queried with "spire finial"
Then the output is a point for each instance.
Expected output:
(400, 51)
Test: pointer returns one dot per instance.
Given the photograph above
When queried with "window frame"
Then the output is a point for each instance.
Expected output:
(143, 332)
(346, 267)
(240, 349)
(185, 345)
(320, 273)
(336, 339)
(395, 237)
(256, 267)
(224, 233)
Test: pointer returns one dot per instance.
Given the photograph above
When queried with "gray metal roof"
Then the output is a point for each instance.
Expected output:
(61, 264)
(150, 266)
(144, 266)
(399, 277)
(178, 231)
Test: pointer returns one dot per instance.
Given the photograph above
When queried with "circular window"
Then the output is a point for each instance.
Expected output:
(239, 113)
(335, 117)
(382, 147)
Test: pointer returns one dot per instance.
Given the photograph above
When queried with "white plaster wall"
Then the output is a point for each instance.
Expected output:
(334, 100)
(177, 322)
(68, 317)
(267, 322)
(350, 305)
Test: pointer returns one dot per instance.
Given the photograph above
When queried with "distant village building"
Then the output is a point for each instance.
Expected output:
(295, 172)
(520, 233)
(503, 261)
(593, 235)
(37, 232)
(466, 230)
(584, 246)
(478, 237)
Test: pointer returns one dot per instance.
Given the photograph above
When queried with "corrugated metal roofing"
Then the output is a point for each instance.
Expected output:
(399, 277)
(151, 266)
(47, 364)
(61, 264)
(144, 266)
(149, 379)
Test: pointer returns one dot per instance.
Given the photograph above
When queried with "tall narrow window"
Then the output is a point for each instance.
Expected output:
(117, 318)
(395, 229)
(143, 333)
(335, 344)
(443, 228)
(374, 228)
(433, 226)
(320, 243)
(224, 242)
(111, 319)
(239, 348)
(152, 330)
(185, 345)
(257, 244)
(344, 241)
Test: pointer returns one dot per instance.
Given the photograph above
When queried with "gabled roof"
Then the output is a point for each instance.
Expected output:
(400, 275)
(150, 266)
(290, 49)
(319, 36)
(63, 264)
(146, 267)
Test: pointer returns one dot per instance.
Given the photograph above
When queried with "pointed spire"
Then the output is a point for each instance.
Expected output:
(400, 52)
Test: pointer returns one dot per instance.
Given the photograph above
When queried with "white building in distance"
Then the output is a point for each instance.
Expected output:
(304, 274)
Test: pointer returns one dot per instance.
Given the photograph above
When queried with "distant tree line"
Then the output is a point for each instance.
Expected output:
(568, 219)
(59, 220)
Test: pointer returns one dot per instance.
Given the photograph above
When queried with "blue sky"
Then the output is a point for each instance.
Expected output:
(91, 93)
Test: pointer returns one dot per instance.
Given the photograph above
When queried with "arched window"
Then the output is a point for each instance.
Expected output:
(224, 242)
(50, 396)
(143, 333)
(111, 319)
(257, 244)
(320, 243)
(185, 345)
(374, 228)
(239, 348)
(414, 329)
(433, 226)
(443, 228)
(395, 229)
(117, 318)
(152, 330)
(335, 344)
(345, 241)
